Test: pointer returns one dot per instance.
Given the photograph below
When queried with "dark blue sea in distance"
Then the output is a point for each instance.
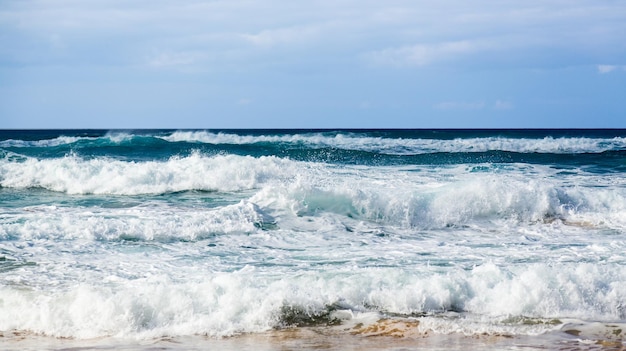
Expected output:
(151, 234)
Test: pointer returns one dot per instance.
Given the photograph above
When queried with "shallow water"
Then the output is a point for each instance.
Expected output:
(383, 334)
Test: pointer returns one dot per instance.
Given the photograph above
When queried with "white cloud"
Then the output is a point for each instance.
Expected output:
(289, 35)
(473, 105)
(604, 69)
(530, 33)
(502, 105)
(459, 105)
(401, 33)
(422, 54)
(175, 59)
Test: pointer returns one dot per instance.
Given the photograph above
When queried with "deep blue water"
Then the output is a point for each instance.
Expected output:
(603, 148)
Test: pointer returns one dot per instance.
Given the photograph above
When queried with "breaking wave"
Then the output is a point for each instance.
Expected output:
(412, 146)
(222, 304)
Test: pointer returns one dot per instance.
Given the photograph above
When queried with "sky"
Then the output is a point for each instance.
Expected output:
(312, 64)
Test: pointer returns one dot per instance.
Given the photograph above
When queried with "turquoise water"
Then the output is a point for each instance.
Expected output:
(152, 233)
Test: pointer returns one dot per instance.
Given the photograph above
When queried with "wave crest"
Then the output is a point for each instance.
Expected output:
(75, 175)
(411, 146)
(222, 304)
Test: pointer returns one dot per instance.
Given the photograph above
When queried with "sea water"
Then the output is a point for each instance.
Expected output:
(150, 234)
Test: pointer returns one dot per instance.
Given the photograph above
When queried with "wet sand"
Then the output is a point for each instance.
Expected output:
(385, 334)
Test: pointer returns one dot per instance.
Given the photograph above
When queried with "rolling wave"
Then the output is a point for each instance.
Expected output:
(103, 175)
(411, 146)
(412, 197)
(225, 304)
(389, 143)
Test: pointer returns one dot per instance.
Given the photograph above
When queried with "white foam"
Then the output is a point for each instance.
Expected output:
(407, 146)
(118, 137)
(521, 241)
(355, 141)
(409, 197)
(61, 140)
(448, 197)
(223, 305)
(75, 175)
(113, 137)
(249, 300)
(162, 223)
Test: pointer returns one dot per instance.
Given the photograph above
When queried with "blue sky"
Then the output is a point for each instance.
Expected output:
(312, 64)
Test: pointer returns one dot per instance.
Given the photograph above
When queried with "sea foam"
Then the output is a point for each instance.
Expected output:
(146, 235)
(161, 223)
(222, 304)
(408, 146)
(75, 175)
(411, 197)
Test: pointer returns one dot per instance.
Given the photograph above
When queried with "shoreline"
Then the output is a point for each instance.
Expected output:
(385, 334)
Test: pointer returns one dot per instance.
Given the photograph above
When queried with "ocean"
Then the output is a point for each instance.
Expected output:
(319, 239)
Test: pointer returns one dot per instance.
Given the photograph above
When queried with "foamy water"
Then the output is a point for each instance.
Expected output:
(141, 236)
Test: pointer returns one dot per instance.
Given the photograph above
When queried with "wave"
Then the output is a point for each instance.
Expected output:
(92, 140)
(61, 140)
(222, 304)
(449, 199)
(401, 143)
(408, 197)
(411, 146)
(141, 223)
(103, 175)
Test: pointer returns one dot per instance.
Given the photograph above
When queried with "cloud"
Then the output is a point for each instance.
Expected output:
(531, 34)
(422, 54)
(604, 69)
(457, 105)
(288, 35)
(502, 105)
(402, 33)
(475, 105)
(175, 59)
